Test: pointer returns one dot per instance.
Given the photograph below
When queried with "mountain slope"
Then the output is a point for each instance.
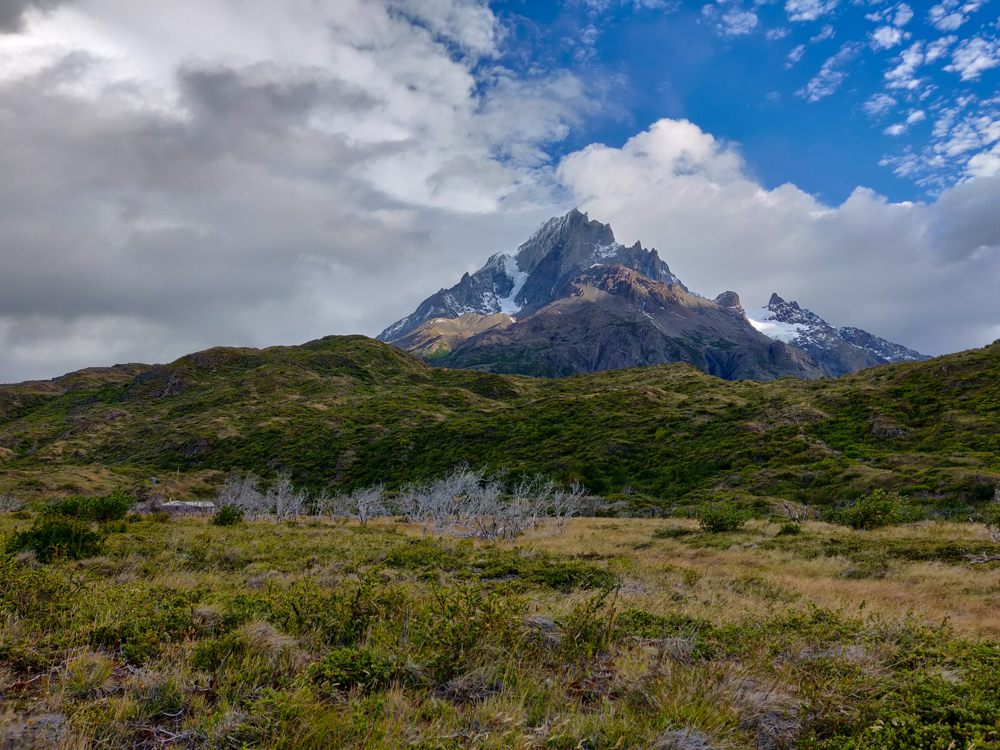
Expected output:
(572, 299)
(611, 317)
(349, 411)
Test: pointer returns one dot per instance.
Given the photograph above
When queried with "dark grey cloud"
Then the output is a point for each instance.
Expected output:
(264, 203)
(966, 219)
(12, 12)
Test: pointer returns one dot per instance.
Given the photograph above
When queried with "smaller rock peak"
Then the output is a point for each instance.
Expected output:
(729, 300)
(775, 300)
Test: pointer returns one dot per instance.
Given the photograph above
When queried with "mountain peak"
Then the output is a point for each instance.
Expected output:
(571, 236)
(775, 300)
(730, 301)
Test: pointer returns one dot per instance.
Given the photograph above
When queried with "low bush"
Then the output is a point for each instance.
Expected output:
(54, 537)
(113, 507)
(789, 529)
(347, 668)
(228, 515)
(870, 512)
(717, 519)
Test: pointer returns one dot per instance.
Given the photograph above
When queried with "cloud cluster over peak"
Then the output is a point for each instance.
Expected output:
(922, 274)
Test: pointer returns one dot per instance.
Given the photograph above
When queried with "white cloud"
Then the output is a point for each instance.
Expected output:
(795, 55)
(879, 105)
(739, 22)
(831, 75)
(986, 164)
(973, 56)
(897, 129)
(866, 262)
(773, 35)
(903, 75)
(950, 15)
(809, 10)
(886, 37)
(826, 32)
(939, 48)
(963, 144)
(904, 14)
(732, 22)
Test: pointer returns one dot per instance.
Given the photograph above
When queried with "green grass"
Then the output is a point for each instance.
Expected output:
(316, 636)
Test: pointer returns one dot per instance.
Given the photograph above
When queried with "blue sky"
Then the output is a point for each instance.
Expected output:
(828, 95)
(196, 173)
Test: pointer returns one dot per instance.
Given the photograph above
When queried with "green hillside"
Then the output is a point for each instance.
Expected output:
(343, 412)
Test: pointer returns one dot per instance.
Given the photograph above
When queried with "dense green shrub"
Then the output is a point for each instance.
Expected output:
(870, 512)
(991, 514)
(789, 529)
(56, 537)
(720, 518)
(347, 668)
(113, 507)
(228, 515)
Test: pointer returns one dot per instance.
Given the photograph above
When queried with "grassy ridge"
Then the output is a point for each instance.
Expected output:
(349, 411)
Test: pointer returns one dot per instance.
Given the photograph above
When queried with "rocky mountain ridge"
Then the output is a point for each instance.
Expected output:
(839, 350)
(572, 299)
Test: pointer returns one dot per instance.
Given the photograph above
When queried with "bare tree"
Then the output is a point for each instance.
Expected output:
(796, 515)
(444, 504)
(284, 500)
(566, 505)
(530, 497)
(242, 491)
(367, 504)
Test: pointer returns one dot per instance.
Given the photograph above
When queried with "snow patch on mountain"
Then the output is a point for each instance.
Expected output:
(507, 304)
(764, 321)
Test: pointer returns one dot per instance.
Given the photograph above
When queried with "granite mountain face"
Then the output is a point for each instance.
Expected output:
(572, 300)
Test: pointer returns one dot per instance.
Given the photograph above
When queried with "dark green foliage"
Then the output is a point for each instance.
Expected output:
(55, 537)
(870, 512)
(113, 507)
(672, 533)
(365, 413)
(228, 515)
(347, 668)
(722, 517)
(789, 529)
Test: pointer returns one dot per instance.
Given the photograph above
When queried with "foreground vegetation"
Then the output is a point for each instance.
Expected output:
(349, 412)
(619, 633)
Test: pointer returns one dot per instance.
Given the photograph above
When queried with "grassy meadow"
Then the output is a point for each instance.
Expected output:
(618, 633)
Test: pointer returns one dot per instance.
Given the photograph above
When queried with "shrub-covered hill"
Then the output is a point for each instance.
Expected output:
(343, 412)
